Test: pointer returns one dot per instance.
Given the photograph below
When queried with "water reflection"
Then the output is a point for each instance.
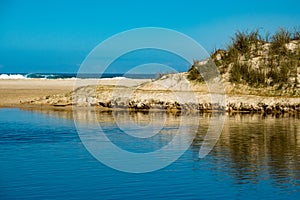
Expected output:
(251, 149)
(254, 148)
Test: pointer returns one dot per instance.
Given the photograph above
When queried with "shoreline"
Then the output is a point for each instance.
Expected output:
(57, 94)
(15, 91)
(174, 112)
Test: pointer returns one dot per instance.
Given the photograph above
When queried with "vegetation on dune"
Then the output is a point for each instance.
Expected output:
(258, 61)
(194, 75)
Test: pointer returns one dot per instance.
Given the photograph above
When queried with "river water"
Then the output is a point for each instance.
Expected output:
(43, 157)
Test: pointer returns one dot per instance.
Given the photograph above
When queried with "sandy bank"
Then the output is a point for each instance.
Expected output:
(13, 92)
(171, 92)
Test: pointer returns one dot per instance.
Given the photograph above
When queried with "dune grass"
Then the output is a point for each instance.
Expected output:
(275, 62)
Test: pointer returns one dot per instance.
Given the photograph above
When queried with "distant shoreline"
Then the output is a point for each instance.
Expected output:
(17, 76)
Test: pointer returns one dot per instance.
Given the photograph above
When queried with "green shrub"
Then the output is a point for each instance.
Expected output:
(284, 73)
(194, 75)
(232, 55)
(296, 34)
(243, 73)
(278, 41)
(243, 41)
(276, 63)
(201, 72)
(279, 75)
(256, 77)
(238, 72)
(235, 75)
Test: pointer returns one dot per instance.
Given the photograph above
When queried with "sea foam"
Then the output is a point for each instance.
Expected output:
(115, 78)
(12, 76)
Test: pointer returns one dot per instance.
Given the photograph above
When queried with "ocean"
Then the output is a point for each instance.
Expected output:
(73, 75)
(43, 157)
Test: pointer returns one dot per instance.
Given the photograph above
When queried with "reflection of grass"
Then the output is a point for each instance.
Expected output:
(255, 60)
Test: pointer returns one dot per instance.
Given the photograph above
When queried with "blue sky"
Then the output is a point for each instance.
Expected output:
(56, 36)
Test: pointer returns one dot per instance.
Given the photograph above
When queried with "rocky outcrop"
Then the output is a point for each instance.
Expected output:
(268, 106)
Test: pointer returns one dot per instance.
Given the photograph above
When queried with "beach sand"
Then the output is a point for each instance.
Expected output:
(13, 92)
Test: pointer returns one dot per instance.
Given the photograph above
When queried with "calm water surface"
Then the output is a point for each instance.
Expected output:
(42, 157)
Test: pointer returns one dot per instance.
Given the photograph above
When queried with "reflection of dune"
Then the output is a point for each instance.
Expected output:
(251, 146)
(89, 115)
(254, 145)
(57, 113)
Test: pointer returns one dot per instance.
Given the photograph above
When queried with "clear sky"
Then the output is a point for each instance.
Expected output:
(56, 36)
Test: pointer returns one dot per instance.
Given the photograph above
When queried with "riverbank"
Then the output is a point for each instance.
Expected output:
(169, 93)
